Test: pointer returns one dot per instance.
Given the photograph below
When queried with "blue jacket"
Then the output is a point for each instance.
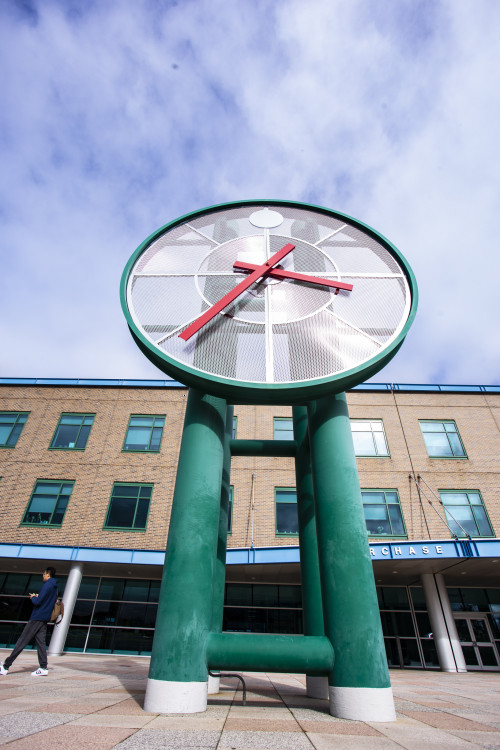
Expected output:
(43, 604)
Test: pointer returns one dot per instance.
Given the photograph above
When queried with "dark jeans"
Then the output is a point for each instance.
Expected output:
(33, 629)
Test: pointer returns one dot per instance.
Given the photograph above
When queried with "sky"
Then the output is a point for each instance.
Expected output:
(117, 116)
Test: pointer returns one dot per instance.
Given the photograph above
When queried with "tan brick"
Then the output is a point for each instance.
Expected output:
(94, 470)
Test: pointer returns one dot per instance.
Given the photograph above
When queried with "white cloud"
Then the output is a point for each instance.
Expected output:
(119, 117)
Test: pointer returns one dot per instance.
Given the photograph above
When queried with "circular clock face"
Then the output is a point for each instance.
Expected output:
(268, 301)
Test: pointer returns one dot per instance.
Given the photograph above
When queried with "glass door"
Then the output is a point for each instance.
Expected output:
(477, 642)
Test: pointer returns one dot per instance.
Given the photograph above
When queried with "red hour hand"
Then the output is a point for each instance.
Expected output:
(257, 273)
(278, 273)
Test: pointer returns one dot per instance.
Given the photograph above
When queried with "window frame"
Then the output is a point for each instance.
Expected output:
(234, 428)
(16, 422)
(144, 450)
(371, 432)
(443, 422)
(83, 415)
(230, 510)
(48, 525)
(471, 507)
(282, 419)
(385, 490)
(276, 501)
(129, 529)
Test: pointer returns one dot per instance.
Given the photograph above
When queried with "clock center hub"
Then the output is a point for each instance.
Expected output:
(268, 300)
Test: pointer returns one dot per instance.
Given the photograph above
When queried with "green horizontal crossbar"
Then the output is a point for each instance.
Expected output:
(304, 654)
(263, 448)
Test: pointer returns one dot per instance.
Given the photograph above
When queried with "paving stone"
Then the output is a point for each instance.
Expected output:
(84, 738)
(482, 739)
(150, 739)
(358, 728)
(264, 740)
(126, 707)
(414, 735)
(248, 712)
(258, 724)
(186, 723)
(448, 721)
(354, 742)
(25, 723)
(308, 714)
(477, 714)
(108, 720)
(96, 703)
(73, 706)
(403, 706)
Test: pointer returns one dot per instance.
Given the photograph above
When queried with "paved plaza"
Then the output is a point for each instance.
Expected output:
(95, 702)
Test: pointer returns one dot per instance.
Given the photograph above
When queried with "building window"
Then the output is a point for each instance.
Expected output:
(283, 428)
(263, 608)
(144, 433)
(442, 439)
(72, 432)
(48, 503)
(230, 511)
(369, 437)
(11, 425)
(235, 425)
(383, 515)
(129, 506)
(287, 521)
(467, 509)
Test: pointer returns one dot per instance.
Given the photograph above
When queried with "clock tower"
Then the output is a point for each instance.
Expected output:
(270, 302)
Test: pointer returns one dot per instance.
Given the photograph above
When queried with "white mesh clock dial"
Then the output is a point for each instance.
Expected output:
(282, 332)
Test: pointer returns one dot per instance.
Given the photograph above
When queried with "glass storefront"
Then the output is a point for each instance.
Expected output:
(114, 616)
(117, 616)
(406, 627)
(477, 617)
(262, 608)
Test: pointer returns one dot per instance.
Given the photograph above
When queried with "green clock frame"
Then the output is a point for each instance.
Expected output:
(277, 392)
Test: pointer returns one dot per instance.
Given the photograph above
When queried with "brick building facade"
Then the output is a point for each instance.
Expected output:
(87, 478)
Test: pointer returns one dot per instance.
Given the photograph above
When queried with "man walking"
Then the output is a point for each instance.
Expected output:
(36, 627)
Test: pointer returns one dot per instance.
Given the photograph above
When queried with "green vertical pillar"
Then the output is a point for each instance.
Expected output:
(359, 684)
(177, 680)
(312, 607)
(220, 561)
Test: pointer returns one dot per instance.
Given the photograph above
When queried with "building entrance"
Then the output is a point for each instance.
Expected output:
(478, 647)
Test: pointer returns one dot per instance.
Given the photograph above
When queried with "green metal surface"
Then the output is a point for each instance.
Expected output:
(267, 393)
(270, 653)
(220, 562)
(185, 608)
(263, 448)
(351, 613)
(308, 542)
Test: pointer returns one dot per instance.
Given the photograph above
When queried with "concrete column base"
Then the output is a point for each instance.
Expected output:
(213, 685)
(362, 704)
(317, 687)
(166, 697)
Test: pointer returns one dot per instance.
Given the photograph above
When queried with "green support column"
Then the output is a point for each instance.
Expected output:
(220, 562)
(317, 686)
(178, 673)
(359, 684)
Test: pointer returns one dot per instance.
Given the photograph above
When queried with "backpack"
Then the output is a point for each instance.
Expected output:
(57, 612)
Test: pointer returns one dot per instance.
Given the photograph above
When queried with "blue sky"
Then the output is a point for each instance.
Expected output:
(116, 117)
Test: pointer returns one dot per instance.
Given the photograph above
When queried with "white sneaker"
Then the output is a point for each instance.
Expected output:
(40, 672)
(3, 670)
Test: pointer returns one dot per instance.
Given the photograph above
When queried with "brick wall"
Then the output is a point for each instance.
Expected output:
(94, 470)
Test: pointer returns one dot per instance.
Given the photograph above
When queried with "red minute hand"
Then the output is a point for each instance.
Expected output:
(257, 272)
(278, 273)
